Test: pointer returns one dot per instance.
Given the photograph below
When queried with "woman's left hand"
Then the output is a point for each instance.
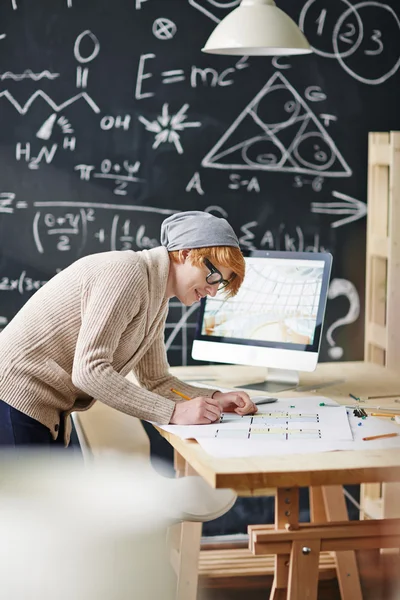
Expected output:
(238, 402)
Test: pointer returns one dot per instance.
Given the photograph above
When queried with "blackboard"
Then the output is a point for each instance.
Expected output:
(112, 118)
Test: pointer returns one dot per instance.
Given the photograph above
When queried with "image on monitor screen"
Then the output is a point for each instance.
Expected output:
(278, 302)
(274, 321)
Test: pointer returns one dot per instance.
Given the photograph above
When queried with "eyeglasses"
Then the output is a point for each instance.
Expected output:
(215, 277)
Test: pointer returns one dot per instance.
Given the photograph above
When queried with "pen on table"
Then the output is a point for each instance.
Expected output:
(354, 397)
(377, 437)
(180, 394)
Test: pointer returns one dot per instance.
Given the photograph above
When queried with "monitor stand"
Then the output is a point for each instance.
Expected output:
(278, 380)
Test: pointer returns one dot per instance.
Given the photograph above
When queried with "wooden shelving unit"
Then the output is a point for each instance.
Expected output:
(382, 323)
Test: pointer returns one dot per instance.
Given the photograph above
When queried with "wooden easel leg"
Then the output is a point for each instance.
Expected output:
(286, 512)
(317, 505)
(188, 552)
(346, 563)
(303, 570)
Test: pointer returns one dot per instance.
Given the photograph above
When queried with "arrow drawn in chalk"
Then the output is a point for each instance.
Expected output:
(351, 206)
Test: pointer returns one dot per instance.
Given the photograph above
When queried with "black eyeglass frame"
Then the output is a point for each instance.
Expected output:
(222, 283)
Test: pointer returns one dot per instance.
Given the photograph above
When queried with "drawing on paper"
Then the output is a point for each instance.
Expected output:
(277, 131)
(271, 426)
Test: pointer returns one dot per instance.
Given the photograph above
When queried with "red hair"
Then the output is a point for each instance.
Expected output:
(220, 256)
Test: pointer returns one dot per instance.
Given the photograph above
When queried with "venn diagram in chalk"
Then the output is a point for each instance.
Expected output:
(364, 37)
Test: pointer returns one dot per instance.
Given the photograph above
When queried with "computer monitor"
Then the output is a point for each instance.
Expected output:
(274, 321)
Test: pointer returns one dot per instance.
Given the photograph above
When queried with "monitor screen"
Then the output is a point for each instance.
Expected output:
(280, 307)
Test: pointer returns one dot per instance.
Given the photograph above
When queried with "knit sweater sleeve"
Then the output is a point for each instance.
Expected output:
(152, 372)
(107, 309)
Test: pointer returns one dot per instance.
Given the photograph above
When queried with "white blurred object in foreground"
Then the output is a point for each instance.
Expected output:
(78, 531)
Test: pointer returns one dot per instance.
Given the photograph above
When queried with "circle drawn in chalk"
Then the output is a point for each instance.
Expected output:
(369, 3)
(164, 29)
(261, 151)
(322, 154)
(96, 46)
(277, 109)
(336, 52)
(222, 4)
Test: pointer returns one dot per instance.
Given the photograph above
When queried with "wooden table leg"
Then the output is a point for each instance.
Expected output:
(346, 563)
(286, 512)
(188, 569)
(179, 464)
(188, 551)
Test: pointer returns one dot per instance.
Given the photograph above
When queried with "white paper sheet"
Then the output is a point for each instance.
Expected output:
(333, 439)
(369, 426)
(288, 420)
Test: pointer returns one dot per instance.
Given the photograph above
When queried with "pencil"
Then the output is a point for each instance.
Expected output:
(384, 414)
(180, 394)
(383, 396)
(377, 437)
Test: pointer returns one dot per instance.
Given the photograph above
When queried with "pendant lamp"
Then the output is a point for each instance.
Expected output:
(257, 28)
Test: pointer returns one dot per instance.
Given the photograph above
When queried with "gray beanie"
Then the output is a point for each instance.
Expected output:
(196, 229)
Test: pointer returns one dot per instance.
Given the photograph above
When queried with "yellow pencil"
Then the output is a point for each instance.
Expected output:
(377, 437)
(180, 394)
(384, 414)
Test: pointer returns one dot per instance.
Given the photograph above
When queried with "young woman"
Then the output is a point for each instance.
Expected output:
(77, 337)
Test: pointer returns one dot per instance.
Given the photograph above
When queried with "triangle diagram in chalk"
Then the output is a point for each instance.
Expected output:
(277, 131)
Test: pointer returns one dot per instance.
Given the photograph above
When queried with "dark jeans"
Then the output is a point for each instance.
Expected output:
(17, 429)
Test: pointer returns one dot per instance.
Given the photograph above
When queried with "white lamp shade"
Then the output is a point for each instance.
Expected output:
(257, 28)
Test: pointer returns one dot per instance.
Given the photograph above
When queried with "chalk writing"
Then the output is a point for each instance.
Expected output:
(21, 285)
(164, 29)
(255, 237)
(23, 109)
(205, 76)
(108, 122)
(350, 206)
(70, 231)
(342, 287)
(311, 150)
(214, 9)
(45, 153)
(77, 47)
(29, 74)
(349, 37)
(121, 175)
(166, 127)
(6, 202)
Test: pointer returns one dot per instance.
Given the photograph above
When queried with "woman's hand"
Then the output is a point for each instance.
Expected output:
(238, 402)
(197, 411)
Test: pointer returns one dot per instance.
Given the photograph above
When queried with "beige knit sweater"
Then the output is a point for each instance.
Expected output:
(77, 337)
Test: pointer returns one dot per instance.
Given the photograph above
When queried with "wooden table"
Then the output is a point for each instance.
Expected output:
(324, 473)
